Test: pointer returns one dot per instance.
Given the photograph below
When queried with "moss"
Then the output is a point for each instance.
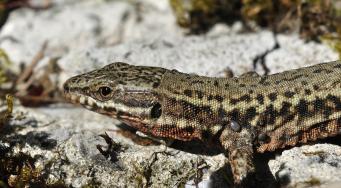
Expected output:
(20, 170)
(5, 62)
(5, 115)
(334, 40)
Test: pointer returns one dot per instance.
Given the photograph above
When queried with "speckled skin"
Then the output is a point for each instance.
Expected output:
(243, 115)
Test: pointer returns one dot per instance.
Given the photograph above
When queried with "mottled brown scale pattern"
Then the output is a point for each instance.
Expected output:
(275, 107)
(273, 111)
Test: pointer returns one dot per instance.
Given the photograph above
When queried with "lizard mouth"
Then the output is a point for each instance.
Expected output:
(93, 105)
(85, 101)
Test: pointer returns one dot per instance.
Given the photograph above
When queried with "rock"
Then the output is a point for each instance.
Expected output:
(308, 166)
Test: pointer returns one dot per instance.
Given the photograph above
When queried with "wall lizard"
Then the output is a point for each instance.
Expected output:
(242, 115)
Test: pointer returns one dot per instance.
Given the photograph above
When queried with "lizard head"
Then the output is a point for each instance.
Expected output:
(119, 90)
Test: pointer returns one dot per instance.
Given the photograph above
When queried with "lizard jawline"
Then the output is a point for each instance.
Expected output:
(93, 105)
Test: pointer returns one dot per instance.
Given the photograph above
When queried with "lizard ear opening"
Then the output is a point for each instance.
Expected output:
(156, 111)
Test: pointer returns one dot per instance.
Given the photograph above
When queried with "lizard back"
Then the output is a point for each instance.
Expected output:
(287, 108)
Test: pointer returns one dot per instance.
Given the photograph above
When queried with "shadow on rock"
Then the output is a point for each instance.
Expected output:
(197, 147)
(40, 139)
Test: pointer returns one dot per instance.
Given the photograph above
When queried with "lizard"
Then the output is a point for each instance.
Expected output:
(242, 115)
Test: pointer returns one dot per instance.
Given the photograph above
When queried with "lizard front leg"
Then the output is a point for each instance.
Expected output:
(237, 142)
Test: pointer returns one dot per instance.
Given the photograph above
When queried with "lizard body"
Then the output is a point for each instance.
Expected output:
(243, 115)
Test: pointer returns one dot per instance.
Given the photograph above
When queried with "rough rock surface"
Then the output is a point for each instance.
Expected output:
(310, 165)
(89, 34)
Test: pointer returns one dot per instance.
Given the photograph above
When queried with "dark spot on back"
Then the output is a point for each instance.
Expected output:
(219, 98)
(270, 114)
(197, 82)
(207, 110)
(335, 100)
(191, 111)
(221, 113)
(262, 80)
(304, 82)
(285, 108)
(288, 118)
(302, 108)
(188, 92)
(327, 111)
(260, 99)
(322, 70)
(216, 84)
(200, 94)
(289, 94)
(251, 113)
(272, 96)
(156, 84)
(318, 71)
(233, 101)
(337, 66)
(234, 114)
(266, 83)
(246, 98)
(293, 78)
(316, 87)
(318, 104)
(307, 91)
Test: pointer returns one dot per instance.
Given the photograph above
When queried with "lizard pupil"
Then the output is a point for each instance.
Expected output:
(105, 91)
(156, 111)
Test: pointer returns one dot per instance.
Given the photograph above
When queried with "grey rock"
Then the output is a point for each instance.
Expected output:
(313, 165)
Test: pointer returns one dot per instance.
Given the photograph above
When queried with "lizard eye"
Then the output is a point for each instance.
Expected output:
(105, 91)
(156, 111)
